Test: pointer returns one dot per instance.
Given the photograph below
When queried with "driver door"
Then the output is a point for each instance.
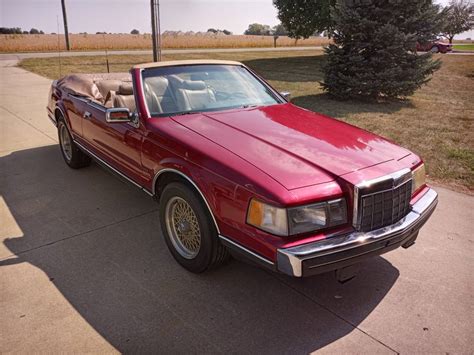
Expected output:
(118, 144)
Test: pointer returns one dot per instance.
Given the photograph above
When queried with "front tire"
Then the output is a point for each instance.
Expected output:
(188, 228)
(73, 156)
(435, 49)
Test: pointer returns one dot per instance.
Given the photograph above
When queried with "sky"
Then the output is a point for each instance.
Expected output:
(121, 16)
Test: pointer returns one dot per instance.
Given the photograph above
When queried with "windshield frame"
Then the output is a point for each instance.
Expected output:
(273, 93)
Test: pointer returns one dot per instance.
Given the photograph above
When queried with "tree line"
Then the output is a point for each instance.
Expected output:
(303, 18)
(19, 31)
(258, 29)
(210, 30)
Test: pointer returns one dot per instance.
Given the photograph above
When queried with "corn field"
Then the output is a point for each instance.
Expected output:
(84, 42)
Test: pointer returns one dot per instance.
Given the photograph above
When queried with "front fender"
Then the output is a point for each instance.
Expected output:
(214, 190)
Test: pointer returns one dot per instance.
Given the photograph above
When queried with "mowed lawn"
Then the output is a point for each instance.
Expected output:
(436, 123)
(464, 47)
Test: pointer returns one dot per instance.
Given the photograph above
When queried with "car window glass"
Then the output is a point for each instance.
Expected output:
(184, 89)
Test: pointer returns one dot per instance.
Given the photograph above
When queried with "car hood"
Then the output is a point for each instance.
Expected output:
(294, 146)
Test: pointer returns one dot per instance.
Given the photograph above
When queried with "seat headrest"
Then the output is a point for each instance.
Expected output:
(125, 89)
(194, 85)
(187, 84)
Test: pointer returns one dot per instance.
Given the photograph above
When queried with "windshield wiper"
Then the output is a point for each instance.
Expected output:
(185, 113)
(216, 109)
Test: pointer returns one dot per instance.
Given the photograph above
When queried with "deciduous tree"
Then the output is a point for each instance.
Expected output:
(279, 30)
(302, 18)
(459, 17)
(258, 29)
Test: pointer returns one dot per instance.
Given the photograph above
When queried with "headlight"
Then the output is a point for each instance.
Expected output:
(418, 176)
(317, 216)
(268, 218)
(297, 220)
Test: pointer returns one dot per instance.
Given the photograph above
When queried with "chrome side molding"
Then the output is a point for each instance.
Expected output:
(107, 165)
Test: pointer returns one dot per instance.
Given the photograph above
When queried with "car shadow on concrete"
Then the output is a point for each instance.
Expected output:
(99, 242)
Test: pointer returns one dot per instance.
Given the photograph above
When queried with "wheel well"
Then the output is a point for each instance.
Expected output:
(58, 114)
(167, 178)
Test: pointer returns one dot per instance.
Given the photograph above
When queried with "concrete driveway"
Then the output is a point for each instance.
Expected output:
(83, 268)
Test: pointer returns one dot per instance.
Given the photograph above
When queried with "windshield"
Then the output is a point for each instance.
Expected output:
(200, 88)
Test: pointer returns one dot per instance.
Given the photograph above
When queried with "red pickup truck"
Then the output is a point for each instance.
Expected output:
(236, 168)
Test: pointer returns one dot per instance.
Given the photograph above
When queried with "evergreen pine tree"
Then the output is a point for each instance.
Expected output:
(374, 51)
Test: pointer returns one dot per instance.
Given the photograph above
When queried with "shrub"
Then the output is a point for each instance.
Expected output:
(374, 51)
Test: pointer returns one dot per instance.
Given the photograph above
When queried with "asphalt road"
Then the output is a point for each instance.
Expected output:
(19, 56)
(83, 268)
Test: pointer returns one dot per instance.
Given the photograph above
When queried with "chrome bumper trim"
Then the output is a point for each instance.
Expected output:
(344, 247)
(51, 116)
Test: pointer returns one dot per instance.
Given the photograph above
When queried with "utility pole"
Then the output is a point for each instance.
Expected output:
(155, 29)
(66, 33)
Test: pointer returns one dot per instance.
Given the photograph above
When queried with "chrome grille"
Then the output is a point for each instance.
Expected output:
(383, 202)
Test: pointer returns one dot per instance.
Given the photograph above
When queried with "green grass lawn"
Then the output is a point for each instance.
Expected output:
(466, 47)
(436, 123)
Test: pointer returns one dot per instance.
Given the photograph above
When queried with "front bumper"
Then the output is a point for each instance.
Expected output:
(51, 116)
(343, 250)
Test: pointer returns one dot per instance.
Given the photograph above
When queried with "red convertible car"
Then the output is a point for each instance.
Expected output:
(236, 168)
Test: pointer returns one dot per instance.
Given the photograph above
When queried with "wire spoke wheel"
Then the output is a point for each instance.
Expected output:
(188, 229)
(183, 227)
(66, 144)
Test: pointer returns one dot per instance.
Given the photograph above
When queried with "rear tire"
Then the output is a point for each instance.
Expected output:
(435, 49)
(73, 156)
(189, 230)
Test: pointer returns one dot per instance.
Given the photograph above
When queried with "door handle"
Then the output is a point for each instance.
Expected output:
(87, 115)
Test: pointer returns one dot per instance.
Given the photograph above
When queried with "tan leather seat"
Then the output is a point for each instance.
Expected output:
(160, 95)
(191, 94)
(124, 97)
(106, 87)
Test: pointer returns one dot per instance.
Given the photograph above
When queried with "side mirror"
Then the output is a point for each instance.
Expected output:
(118, 115)
(286, 95)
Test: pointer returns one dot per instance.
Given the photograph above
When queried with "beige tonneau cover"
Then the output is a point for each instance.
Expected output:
(91, 85)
